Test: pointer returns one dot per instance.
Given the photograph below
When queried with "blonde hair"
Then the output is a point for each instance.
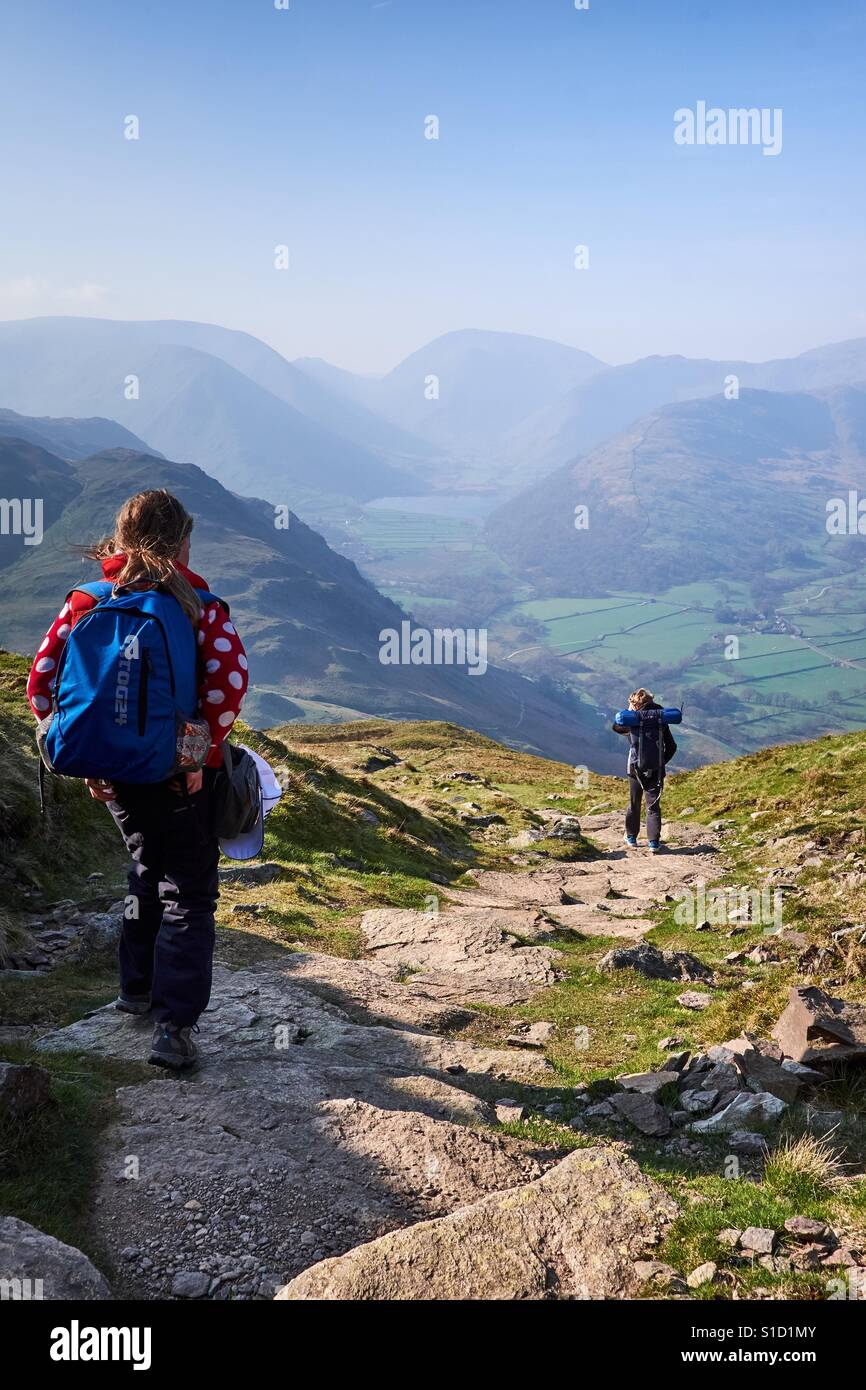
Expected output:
(149, 530)
(640, 699)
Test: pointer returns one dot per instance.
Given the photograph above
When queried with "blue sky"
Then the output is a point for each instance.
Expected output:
(306, 127)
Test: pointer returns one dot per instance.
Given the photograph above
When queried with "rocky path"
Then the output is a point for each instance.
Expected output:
(336, 1107)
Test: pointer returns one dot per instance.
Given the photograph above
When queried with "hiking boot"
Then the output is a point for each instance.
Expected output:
(653, 846)
(631, 840)
(132, 1003)
(173, 1047)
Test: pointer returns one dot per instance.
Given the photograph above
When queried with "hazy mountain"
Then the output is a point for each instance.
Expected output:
(299, 389)
(697, 490)
(191, 405)
(487, 382)
(614, 398)
(310, 621)
(68, 437)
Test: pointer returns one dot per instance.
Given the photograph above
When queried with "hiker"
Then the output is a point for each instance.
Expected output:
(167, 937)
(651, 748)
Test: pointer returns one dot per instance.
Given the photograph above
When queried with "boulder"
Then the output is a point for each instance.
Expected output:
(654, 964)
(746, 1141)
(704, 1274)
(574, 1233)
(758, 1240)
(694, 999)
(647, 1082)
(34, 1265)
(746, 1107)
(806, 1228)
(643, 1112)
(818, 1029)
(23, 1089)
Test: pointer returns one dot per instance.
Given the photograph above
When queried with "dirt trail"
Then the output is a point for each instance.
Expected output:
(331, 1107)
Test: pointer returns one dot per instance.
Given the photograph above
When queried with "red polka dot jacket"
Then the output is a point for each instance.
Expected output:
(222, 662)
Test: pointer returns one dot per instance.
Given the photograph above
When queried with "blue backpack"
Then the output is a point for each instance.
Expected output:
(126, 682)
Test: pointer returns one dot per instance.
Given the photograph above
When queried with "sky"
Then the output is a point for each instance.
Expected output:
(261, 127)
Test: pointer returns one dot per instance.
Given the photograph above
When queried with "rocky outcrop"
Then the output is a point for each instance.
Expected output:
(575, 1233)
(34, 1265)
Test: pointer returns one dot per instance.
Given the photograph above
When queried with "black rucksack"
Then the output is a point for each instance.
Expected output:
(648, 742)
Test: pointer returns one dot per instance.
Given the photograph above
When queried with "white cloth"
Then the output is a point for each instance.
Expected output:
(249, 846)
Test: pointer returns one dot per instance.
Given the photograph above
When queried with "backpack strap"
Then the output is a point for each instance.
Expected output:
(99, 589)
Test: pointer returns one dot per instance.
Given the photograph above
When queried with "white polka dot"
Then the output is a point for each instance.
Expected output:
(44, 643)
(215, 697)
(64, 631)
(229, 628)
(40, 702)
(211, 615)
(213, 665)
(222, 644)
(64, 610)
(200, 638)
(243, 663)
(236, 679)
(226, 718)
(45, 664)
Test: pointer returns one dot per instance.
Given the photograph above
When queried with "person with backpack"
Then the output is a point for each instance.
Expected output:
(136, 685)
(651, 747)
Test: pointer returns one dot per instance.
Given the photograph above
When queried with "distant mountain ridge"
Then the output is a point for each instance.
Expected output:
(614, 398)
(192, 404)
(699, 490)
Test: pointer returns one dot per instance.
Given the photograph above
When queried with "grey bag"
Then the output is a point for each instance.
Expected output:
(237, 794)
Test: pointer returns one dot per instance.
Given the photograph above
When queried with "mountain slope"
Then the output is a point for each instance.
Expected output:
(703, 489)
(191, 405)
(614, 398)
(285, 380)
(70, 438)
(487, 383)
(310, 621)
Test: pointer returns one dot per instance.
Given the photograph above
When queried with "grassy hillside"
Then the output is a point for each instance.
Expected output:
(376, 814)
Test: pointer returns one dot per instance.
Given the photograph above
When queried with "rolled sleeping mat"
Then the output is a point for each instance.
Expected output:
(630, 718)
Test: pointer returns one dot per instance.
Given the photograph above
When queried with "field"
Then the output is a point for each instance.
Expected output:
(797, 668)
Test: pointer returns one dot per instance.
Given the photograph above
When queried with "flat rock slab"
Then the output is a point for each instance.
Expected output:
(371, 991)
(590, 920)
(469, 955)
(264, 1014)
(574, 1233)
(39, 1266)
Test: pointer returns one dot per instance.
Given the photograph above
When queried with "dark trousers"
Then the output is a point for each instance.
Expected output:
(167, 940)
(653, 807)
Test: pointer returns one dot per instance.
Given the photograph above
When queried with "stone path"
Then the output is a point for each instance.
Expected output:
(336, 1102)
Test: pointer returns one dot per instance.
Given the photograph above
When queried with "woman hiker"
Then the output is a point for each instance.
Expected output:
(167, 938)
(646, 779)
